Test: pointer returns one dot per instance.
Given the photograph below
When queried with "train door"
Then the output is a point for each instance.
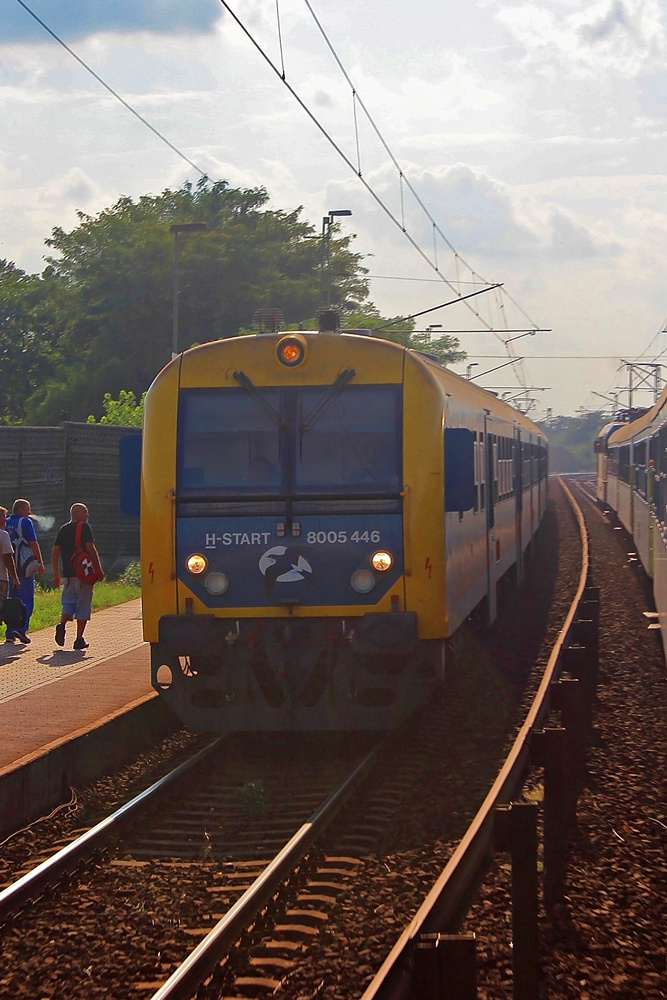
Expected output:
(541, 479)
(491, 463)
(517, 486)
(530, 479)
(632, 479)
(651, 496)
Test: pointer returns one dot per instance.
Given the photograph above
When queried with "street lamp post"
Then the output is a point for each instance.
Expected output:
(327, 223)
(469, 368)
(177, 228)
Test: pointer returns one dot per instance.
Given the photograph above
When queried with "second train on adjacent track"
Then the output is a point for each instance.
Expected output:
(632, 482)
(320, 513)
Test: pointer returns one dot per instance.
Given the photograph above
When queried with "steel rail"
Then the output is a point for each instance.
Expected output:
(33, 883)
(201, 962)
(439, 909)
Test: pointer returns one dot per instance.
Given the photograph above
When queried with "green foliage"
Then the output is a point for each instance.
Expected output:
(105, 595)
(401, 331)
(571, 441)
(99, 320)
(252, 798)
(131, 575)
(25, 358)
(123, 412)
(446, 349)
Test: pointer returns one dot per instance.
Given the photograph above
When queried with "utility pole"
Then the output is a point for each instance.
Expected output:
(327, 223)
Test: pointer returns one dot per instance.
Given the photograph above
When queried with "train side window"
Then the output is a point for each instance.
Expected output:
(653, 451)
(518, 484)
(639, 462)
(459, 469)
(662, 449)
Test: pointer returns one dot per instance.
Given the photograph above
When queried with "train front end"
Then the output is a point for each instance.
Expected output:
(275, 592)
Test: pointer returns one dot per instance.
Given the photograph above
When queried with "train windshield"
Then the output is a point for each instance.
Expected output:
(349, 443)
(227, 442)
(273, 442)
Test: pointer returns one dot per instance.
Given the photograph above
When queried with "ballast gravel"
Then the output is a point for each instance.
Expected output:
(606, 939)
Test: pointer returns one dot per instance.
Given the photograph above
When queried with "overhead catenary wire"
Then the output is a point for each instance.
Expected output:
(402, 178)
(357, 101)
(113, 93)
(343, 155)
(357, 170)
(641, 359)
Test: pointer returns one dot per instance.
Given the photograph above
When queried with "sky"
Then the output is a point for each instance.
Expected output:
(516, 143)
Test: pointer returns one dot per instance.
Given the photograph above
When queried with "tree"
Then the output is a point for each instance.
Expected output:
(124, 411)
(118, 266)
(24, 340)
(571, 441)
(401, 330)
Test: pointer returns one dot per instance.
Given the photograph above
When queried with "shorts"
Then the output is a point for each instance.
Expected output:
(77, 598)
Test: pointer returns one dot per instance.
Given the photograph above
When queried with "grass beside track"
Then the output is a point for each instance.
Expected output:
(105, 595)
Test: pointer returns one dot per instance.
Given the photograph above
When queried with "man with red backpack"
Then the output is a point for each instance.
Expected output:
(75, 548)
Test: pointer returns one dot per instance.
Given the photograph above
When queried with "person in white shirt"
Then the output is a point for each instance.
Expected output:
(7, 564)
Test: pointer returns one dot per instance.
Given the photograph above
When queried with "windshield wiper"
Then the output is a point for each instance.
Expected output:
(327, 399)
(255, 394)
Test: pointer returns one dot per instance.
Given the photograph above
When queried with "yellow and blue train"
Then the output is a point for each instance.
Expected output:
(631, 455)
(320, 512)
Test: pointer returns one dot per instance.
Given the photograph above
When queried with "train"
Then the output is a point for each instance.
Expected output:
(631, 482)
(320, 512)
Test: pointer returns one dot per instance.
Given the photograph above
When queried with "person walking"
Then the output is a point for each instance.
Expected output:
(19, 525)
(77, 595)
(7, 565)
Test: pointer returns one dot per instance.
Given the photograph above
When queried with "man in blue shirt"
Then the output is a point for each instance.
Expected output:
(19, 523)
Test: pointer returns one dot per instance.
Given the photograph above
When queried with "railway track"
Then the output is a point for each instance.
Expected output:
(219, 829)
(186, 882)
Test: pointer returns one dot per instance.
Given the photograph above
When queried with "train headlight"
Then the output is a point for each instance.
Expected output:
(217, 584)
(196, 563)
(382, 561)
(362, 581)
(291, 351)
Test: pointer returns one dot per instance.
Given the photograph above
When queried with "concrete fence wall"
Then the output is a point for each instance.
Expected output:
(54, 467)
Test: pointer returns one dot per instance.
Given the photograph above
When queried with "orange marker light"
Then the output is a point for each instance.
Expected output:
(291, 351)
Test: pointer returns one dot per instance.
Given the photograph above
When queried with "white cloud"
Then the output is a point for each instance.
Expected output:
(620, 36)
(74, 189)
(534, 132)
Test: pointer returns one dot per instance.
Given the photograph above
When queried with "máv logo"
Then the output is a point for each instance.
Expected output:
(280, 565)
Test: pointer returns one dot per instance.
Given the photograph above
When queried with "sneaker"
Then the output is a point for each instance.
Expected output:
(10, 638)
(23, 636)
(60, 634)
(80, 644)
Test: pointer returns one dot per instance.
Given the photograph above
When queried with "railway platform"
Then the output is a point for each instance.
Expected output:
(48, 692)
(68, 716)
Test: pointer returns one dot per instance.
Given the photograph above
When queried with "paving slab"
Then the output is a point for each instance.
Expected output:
(109, 632)
(48, 693)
